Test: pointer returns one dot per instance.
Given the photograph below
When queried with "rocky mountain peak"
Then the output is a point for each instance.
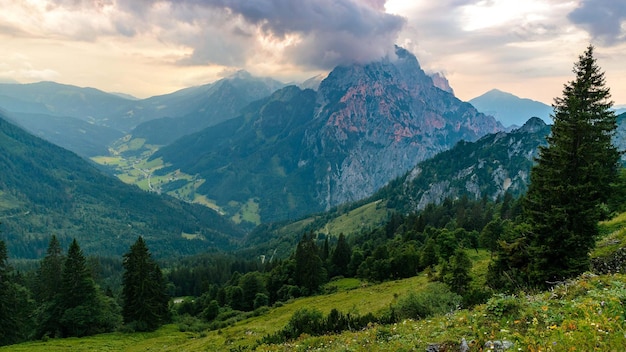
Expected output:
(533, 125)
(386, 116)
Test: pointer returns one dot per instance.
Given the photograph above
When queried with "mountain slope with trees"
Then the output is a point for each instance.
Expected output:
(220, 101)
(488, 168)
(47, 190)
(84, 138)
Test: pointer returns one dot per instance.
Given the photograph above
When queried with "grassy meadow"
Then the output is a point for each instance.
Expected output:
(583, 314)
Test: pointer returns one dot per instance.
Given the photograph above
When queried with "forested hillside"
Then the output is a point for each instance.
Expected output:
(46, 190)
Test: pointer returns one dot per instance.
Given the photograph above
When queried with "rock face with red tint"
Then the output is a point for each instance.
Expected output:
(384, 118)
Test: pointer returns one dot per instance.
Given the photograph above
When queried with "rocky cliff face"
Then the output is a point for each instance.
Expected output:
(381, 119)
(491, 166)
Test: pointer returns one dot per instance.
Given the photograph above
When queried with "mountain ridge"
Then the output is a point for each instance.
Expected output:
(369, 123)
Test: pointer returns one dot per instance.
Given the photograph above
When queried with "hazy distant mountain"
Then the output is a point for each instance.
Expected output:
(194, 108)
(8, 80)
(300, 151)
(203, 107)
(125, 96)
(83, 138)
(49, 98)
(510, 109)
(47, 190)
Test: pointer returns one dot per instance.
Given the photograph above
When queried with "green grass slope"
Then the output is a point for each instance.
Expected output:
(584, 314)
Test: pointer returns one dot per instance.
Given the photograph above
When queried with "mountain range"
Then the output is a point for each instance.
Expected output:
(301, 151)
(253, 149)
(87, 121)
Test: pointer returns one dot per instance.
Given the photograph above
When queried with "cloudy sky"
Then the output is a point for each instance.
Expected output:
(150, 47)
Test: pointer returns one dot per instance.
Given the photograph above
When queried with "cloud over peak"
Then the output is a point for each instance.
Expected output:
(315, 34)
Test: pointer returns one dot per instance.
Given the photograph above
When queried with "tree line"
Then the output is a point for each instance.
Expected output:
(64, 300)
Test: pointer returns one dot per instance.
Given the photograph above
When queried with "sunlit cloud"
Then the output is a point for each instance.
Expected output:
(152, 46)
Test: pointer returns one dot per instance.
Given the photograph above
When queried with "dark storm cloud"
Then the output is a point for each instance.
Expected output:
(602, 19)
(330, 32)
(316, 33)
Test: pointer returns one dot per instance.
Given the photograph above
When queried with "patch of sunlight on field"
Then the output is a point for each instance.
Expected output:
(108, 160)
(360, 300)
(191, 236)
(202, 199)
(248, 212)
(8, 202)
(154, 164)
(127, 178)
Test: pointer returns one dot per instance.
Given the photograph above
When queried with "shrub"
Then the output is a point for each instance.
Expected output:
(435, 299)
(192, 324)
(304, 321)
(503, 305)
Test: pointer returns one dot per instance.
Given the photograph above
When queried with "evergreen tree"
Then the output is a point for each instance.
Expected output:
(490, 235)
(456, 272)
(49, 275)
(310, 273)
(144, 293)
(572, 178)
(77, 286)
(47, 289)
(85, 311)
(341, 257)
(429, 257)
(252, 284)
(15, 304)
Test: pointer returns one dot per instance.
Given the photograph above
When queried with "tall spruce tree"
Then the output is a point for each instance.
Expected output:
(144, 293)
(49, 275)
(10, 321)
(310, 272)
(572, 178)
(341, 257)
(47, 290)
(85, 311)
